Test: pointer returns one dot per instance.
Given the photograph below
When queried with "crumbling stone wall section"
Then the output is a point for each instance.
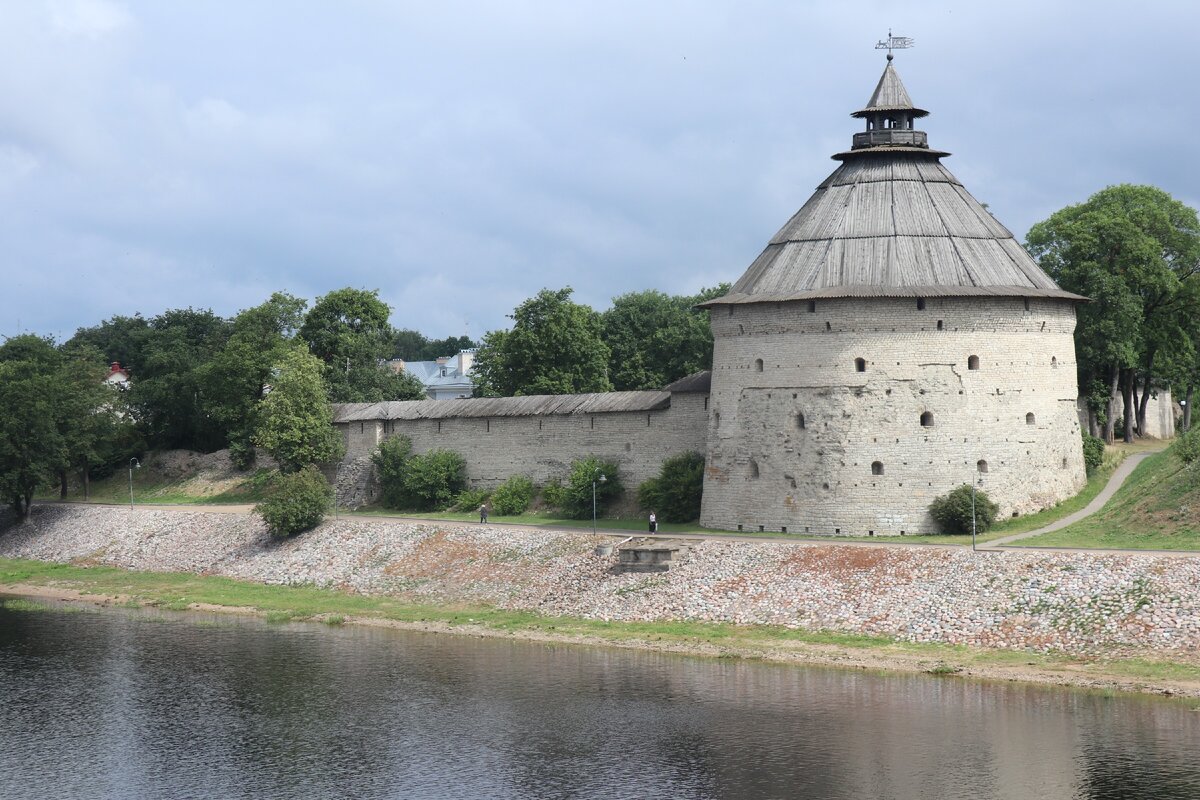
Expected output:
(851, 415)
(539, 446)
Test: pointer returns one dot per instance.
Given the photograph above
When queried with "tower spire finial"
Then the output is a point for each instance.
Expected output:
(894, 43)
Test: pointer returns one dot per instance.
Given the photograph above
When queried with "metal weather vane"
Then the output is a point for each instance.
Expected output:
(894, 43)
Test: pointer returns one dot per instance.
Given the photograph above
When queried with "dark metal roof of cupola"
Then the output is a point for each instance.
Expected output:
(891, 221)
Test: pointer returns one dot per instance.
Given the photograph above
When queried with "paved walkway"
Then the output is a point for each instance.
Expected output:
(995, 545)
(1114, 483)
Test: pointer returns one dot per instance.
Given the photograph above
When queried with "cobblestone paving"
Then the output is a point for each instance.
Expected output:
(1076, 602)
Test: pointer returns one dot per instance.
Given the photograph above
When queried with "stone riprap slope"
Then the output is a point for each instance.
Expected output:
(1076, 602)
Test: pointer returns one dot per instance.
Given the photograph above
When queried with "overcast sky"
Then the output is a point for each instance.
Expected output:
(461, 156)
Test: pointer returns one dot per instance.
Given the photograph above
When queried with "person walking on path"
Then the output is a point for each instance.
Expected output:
(653, 523)
(483, 514)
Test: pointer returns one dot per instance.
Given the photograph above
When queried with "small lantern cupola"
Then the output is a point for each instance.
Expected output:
(889, 114)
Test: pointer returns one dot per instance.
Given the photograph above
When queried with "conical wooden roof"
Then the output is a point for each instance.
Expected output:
(891, 221)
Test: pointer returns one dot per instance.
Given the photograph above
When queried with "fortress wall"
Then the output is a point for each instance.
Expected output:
(541, 447)
(775, 363)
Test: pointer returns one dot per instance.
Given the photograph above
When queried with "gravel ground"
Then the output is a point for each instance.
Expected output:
(1082, 603)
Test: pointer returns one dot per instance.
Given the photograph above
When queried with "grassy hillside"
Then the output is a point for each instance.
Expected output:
(1158, 508)
(176, 476)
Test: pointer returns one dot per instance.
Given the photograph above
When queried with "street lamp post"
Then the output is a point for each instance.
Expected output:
(978, 480)
(133, 464)
(337, 475)
(602, 479)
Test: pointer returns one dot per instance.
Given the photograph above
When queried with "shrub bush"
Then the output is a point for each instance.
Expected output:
(433, 479)
(952, 511)
(295, 502)
(574, 498)
(390, 460)
(1187, 446)
(470, 499)
(513, 496)
(674, 494)
(1093, 451)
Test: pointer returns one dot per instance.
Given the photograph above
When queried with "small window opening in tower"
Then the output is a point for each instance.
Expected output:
(860, 365)
(981, 465)
(972, 362)
(753, 468)
(1064, 462)
(812, 306)
(1026, 303)
(716, 419)
(927, 419)
(940, 326)
(800, 421)
(1053, 362)
(876, 467)
(741, 329)
(828, 327)
(920, 304)
(758, 364)
(1030, 419)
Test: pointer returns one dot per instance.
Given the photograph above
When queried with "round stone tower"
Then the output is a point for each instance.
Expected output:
(892, 342)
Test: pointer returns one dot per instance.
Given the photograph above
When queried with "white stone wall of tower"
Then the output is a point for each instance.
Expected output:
(774, 362)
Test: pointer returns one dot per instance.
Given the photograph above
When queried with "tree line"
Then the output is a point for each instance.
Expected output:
(1135, 252)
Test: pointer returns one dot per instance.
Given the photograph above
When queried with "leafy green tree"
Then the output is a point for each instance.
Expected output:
(411, 345)
(433, 479)
(391, 463)
(295, 420)
(675, 493)
(239, 375)
(168, 392)
(348, 330)
(49, 398)
(952, 511)
(655, 338)
(95, 424)
(120, 339)
(1132, 250)
(295, 502)
(554, 347)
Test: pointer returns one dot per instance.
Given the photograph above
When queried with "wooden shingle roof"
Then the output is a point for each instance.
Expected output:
(891, 222)
(527, 406)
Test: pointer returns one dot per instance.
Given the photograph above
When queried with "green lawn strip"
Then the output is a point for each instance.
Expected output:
(287, 603)
(150, 488)
(1151, 511)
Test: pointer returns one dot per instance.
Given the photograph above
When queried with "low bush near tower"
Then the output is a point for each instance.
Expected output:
(1187, 447)
(574, 498)
(296, 502)
(674, 494)
(513, 496)
(1093, 451)
(952, 511)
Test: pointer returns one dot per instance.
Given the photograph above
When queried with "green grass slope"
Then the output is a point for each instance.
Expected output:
(1158, 508)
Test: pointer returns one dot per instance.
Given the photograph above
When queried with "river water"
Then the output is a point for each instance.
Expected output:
(138, 704)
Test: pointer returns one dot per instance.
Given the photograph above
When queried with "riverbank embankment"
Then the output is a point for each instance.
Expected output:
(1087, 605)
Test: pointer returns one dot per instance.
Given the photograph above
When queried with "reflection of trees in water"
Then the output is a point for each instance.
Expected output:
(240, 708)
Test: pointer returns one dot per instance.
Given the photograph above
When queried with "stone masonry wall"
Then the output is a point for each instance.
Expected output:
(541, 447)
(800, 439)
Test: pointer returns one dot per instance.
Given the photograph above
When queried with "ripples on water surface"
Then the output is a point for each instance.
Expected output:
(141, 705)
